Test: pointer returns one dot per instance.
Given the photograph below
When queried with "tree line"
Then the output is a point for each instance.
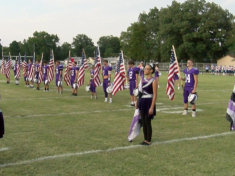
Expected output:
(199, 30)
(43, 42)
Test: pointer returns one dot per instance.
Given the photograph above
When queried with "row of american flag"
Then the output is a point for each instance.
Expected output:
(119, 78)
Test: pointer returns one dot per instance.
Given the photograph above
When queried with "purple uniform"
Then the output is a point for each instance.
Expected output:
(176, 77)
(92, 85)
(28, 68)
(73, 74)
(156, 74)
(106, 71)
(132, 78)
(58, 69)
(189, 82)
(14, 68)
(36, 71)
(145, 101)
(44, 69)
(141, 71)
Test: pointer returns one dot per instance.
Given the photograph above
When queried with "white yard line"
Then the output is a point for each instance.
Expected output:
(3, 149)
(15, 99)
(111, 149)
(69, 113)
(158, 109)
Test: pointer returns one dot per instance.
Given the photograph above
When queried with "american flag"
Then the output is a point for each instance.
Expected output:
(3, 66)
(18, 67)
(51, 68)
(97, 68)
(31, 70)
(8, 66)
(82, 71)
(173, 70)
(67, 76)
(120, 77)
(24, 66)
(40, 71)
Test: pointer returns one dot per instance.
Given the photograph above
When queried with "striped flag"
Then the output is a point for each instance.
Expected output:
(97, 81)
(18, 67)
(82, 71)
(3, 66)
(51, 68)
(40, 76)
(32, 68)
(173, 70)
(8, 66)
(120, 77)
(24, 66)
(67, 76)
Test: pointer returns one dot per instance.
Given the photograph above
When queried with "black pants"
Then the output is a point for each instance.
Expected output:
(147, 127)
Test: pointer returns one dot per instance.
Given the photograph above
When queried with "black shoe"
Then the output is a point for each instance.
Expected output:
(75, 94)
(142, 143)
(72, 94)
(132, 104)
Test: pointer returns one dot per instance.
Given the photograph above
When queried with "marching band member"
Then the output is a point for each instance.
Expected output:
(147, 102)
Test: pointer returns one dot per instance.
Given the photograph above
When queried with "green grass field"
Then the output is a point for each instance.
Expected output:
(52, 134)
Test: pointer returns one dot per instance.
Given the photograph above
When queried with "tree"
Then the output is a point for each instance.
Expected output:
(14, 48)
(109, 43)
(82, 41)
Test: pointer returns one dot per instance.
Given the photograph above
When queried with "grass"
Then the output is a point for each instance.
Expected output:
(40, 124)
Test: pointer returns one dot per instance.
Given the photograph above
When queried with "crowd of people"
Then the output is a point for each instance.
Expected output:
(145, 75)
(220, 70)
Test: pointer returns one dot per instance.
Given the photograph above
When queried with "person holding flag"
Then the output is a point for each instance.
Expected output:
(15, 68)
(45, 70)
(36, 74)
(132, 76)
(81, 76)
(59, 73)
(29, 67)
(120, 76)
(74, 76)
(191, 82)
(92, 84)
(106, 70)
(24, 66)
(7, 69)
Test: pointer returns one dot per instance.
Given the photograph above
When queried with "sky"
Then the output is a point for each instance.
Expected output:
(19, 19)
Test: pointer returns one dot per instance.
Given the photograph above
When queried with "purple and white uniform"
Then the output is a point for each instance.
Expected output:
(73, 74)
(92, 85)
(28, 68)
(14, 69)
(141, 71)
(176, 77)
(36, 74)
(106, 71)
(132, 78)
(57, 73)
(189, 82)
(145, 101)
(156, 73)
(44, 69)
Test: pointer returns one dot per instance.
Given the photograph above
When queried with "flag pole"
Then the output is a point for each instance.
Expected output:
(124, 66)
(178, 66)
